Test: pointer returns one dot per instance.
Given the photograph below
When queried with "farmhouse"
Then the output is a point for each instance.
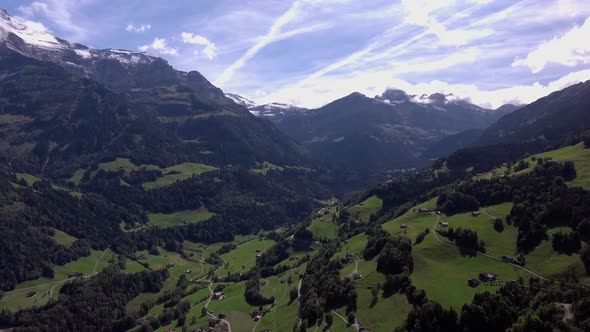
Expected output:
(31, 294)
(75, 275)
(356, 276)
(486, 276)
(443, 224)
(218, 296)
(475, 213)
(423, 210)
(403, 226)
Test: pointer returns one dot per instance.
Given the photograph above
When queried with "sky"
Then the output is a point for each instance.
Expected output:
(310, 52)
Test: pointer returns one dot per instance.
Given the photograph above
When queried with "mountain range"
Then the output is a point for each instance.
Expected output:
(65, 105)
(369, 138)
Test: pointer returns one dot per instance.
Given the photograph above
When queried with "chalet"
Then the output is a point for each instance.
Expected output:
(218, 296)
(170, 330)
(424, 210)
(403, 226)
(75, 275)
(257, 318)
(169, 265)
(257, 250)
(486, 277)
(258, 255)
(443, 224)
(475, 213)
(187, 271)
(31, 294)
(438, 213)
(356, 276)
(221, 315)
(186, 222)
(473, 282)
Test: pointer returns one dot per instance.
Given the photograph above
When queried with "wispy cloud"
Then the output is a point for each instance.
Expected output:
(138, 28)
(419, 12)
(210, 49)
(273, 35)
(570, 49)
(59, 13)
(159, 45)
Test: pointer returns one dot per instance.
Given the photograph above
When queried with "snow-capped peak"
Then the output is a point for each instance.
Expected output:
(241, 100)
(31, 33)
(40, 44)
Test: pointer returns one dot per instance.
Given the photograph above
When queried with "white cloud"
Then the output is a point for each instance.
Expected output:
(274, 34)
(210, 49)
(419, 12)
(326, 89)
(159, 45)
(59, 13)
(138, 28)
(570, 49)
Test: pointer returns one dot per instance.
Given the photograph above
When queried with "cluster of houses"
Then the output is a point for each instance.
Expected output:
(483, 277)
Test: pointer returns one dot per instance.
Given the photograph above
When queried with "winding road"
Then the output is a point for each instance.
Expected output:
(226, 322)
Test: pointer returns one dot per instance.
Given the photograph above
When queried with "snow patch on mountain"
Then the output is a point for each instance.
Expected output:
(31, 33)
(241, 100)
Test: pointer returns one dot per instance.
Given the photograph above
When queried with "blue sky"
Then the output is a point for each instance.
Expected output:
(309, 52)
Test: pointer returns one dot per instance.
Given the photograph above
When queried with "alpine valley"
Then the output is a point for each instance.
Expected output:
(138, 197)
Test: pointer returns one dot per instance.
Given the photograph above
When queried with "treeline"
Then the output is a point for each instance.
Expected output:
(252, 293)
(96, 304)
(28, 217)
(235, 192)
(515, 307)
(541, 200)
(244, 203)
(456, 202)
(485, 158)
(465, 239)
(322, 289)
(394, 253)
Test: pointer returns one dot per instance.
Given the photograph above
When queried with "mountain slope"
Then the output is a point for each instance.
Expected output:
(550, 118)
(64, 105)
(119, 70)
(369, 137)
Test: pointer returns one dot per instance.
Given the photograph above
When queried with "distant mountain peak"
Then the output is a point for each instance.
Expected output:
(31, 34)
(393, 96)
(271, 109)
(241, 100)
